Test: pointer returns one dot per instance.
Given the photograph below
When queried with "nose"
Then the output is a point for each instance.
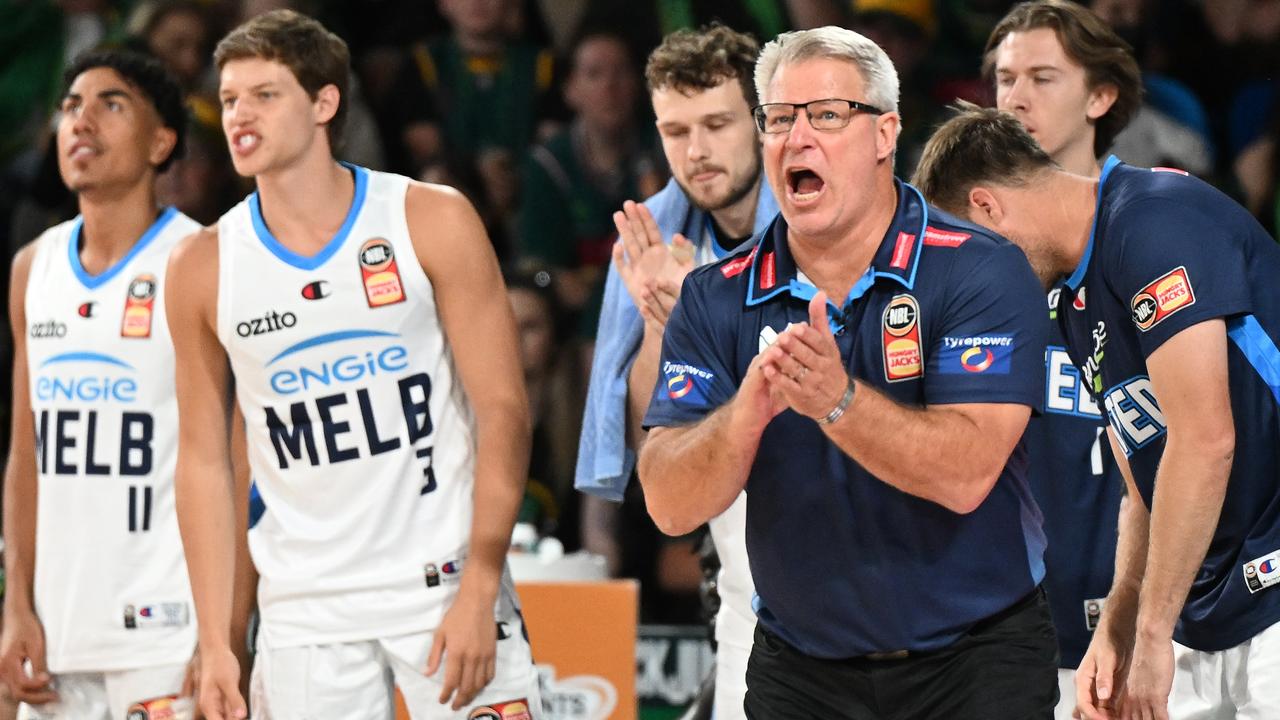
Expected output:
(801, 133)
(1015, 98)
(697, 144)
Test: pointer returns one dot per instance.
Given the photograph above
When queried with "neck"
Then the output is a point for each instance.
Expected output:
(306, 203)
(1069, 215)
(113, 223)
(1078, 158)
(834, 266)
(478, 43)
(603, 147)
(739, 219)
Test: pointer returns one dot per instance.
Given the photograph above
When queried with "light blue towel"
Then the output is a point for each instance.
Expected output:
(604, 460)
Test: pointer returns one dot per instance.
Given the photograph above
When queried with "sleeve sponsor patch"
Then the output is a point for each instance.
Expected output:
(988, 354)
(735, 267)
(1165, 296)
(686, 383)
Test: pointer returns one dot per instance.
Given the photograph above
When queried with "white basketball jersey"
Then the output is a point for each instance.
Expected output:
(110, 579)
(361, 440)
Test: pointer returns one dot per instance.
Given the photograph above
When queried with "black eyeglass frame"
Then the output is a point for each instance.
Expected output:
(757, 112)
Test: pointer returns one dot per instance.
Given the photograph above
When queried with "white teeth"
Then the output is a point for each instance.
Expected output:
(247, 140)
(82, 151)
(806, 196)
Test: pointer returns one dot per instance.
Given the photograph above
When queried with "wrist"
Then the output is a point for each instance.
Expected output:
(841, 406)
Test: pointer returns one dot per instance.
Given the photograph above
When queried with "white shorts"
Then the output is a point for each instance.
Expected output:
(1238, 682)
(354, 681)
(1066, 695)
(118, 695)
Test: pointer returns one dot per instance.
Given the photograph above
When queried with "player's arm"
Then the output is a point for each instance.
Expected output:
(204, 483)
(23, 635)
(455, 253)
(698, 455)
(245, 593)
(1189, 376)
(951, 454)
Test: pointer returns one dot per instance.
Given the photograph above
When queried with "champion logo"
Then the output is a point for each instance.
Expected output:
(316, 290)
(86, 309)
(1078, 303)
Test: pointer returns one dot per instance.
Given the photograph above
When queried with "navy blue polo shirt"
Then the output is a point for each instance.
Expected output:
(845, 564)
(1168, 251)
(1078, 486)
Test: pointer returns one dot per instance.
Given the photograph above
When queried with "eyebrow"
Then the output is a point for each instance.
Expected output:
(105, 94)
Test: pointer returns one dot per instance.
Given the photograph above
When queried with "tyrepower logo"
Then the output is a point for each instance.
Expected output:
(1165, 296)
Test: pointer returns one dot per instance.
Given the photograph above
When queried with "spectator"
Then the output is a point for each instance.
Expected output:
(575, 181)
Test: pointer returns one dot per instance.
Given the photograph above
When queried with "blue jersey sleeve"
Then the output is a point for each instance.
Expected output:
(1175, 263)
(694, 377)
(989, 346)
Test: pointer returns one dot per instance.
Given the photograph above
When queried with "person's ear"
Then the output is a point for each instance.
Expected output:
(163, 141)
(328, 98)
(887, 127)
(1101, 99)
(985, 208)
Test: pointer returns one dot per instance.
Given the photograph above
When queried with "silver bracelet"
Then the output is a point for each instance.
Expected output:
(838, 411)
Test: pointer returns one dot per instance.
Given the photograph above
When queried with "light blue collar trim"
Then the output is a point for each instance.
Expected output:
(93, 282)
(1077, 277)
(303, 262)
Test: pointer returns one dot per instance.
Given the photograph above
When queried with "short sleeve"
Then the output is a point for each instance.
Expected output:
(695, 376)
(1174, 266)
(988, 346)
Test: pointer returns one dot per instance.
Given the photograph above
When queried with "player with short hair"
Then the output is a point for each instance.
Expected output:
(1169, 313)
(97, 599)
(1074, 84)
(702, 92)
(361, 317)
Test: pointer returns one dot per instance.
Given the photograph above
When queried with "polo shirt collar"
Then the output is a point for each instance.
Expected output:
(1077, 277)
(773, 271)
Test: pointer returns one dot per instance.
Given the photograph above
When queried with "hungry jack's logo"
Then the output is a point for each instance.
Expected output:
(139, 307)
(380, 273)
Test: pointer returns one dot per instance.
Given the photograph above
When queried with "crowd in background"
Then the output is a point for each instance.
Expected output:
(537, 111)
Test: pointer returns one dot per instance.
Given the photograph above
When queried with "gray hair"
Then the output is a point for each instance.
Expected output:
(832, 42)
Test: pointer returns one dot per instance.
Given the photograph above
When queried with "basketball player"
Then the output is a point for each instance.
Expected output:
(97, 615)
(363, 318)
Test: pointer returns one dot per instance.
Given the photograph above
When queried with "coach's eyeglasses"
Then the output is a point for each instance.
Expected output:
(826, 115)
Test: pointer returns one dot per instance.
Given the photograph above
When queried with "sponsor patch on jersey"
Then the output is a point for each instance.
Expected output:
(1079, 301)
(47, 330)
(769, 336)
(86, 309)
(380, 273)
(171, 707)
(1165, 296)
(159, 615)
(902, 250)
(768, 271)
(733, 268)
(508, 710)
(900, 339)
(1093, 612)
(1263, 572)
(139, 306)
(431, 574)
(944, 238)
(686, 383)
(315, 290)
(989, 354)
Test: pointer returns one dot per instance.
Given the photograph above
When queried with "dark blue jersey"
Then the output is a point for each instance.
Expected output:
(1078, 486)
(1167, 252)
(844, 563)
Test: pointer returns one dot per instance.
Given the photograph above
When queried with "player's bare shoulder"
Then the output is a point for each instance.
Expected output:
(443, 225)
(193, 274)
(19, 272)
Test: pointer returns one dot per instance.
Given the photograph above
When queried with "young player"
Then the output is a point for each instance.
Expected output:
(362, 318)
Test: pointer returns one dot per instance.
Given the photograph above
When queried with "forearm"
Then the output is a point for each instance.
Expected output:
(936, 453)
(1131, 562)
(19, 539)
(641, 381)
(207, 524)
(693, 473)
(502, 452)
(1189, 491)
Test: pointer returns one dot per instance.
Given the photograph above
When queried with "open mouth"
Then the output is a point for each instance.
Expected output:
(245, 141)
(804, 184)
